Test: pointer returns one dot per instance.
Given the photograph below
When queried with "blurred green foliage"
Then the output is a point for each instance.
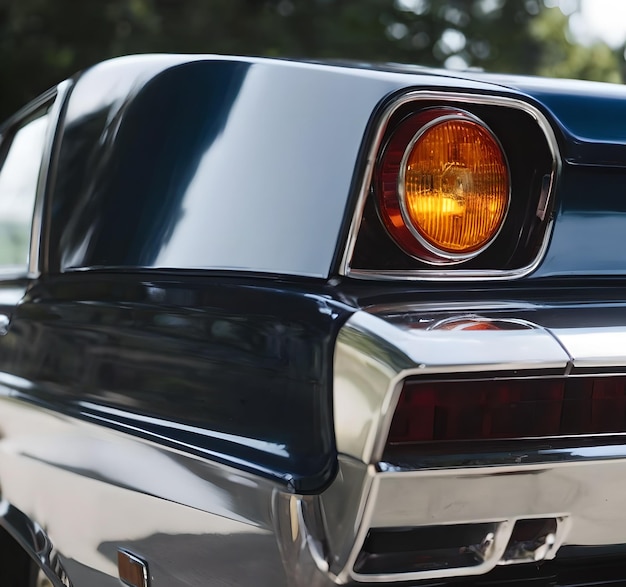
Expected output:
(45, 41)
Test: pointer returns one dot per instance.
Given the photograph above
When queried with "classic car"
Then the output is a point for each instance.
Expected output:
(269, 322)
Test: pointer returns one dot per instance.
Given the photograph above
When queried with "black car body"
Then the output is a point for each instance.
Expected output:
(218, 367)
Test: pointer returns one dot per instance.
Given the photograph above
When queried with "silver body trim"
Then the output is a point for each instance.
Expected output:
(459, 99)
(56, 98)
(592, 348)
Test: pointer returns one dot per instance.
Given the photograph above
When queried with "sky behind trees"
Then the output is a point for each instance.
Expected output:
(45, 41)
(602, 19)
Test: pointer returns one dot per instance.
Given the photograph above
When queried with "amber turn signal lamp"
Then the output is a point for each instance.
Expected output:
(443, 186)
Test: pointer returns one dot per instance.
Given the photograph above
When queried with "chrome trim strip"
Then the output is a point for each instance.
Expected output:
(56, 96)
(456, 275)
(592, 348)
(454, 309)
(548, 451)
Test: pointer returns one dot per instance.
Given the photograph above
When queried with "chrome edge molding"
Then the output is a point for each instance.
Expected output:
(594, 348)
(56, 97)
(459, 274)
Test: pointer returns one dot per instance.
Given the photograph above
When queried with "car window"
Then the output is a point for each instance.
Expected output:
(20, 156)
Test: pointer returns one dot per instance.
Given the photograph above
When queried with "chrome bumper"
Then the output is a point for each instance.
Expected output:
(578, 492)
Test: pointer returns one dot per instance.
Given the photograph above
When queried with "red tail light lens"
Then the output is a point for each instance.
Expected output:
(508, 409)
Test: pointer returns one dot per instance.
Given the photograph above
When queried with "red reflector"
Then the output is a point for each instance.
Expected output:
(509, 409)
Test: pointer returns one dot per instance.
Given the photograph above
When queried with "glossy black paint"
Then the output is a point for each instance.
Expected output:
(225, 368)
(590, 116)
(236, 369)
(255, 165)
(218, 164)
(590, 224)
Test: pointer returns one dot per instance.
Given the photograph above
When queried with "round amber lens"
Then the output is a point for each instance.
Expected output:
(456, 186)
